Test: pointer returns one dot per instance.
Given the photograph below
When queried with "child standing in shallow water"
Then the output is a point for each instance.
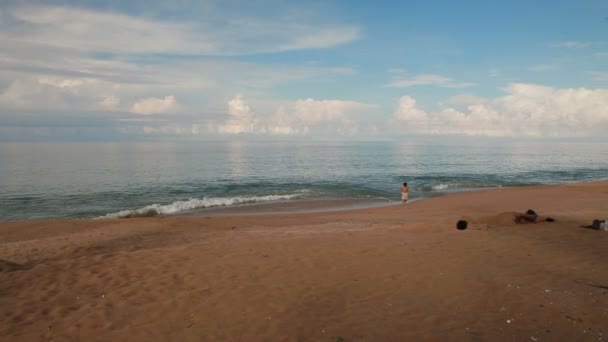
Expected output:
(404, 192)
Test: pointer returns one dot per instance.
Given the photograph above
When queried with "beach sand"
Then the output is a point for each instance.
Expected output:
(394, 273)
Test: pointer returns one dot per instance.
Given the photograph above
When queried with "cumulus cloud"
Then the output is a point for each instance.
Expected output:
(110, 63)
(314, 112)
(241, 119)
(30, 93)
(110, 102)
(283, 123)
(78, 58)
(304, 116)
(408, 111)
(526, 110)
(49, 93)
(427, 79)
(155, 105)
(84, 83)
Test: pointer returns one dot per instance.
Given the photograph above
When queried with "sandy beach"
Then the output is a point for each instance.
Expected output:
(394, 273)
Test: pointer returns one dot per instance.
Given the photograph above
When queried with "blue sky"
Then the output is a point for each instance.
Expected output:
(148, 70)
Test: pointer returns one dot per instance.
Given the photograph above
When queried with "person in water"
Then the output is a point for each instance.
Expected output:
(404, 192)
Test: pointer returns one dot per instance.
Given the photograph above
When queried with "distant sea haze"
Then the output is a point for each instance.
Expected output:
(105, 180)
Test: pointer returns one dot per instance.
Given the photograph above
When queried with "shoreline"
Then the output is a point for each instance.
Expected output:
(309, 206)
(277, 207)
(298, 206)
(398, 272)
(282, 207)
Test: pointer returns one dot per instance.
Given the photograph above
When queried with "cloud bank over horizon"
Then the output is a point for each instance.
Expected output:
(527, 110)
(218, 70)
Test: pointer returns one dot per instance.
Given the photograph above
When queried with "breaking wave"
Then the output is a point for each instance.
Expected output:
(193, 203)
(440, 187)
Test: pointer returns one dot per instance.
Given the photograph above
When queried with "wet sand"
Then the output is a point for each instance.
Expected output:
(290, 207)
(392, 273)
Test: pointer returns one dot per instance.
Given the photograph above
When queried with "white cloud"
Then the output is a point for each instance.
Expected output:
(110, 102)
(328, 116)
(242, 119)
(90, 30)
(155, 105)
(526, 110)
(314, 40)
(284, 123)
(62, 83)
(51, 93)
(427, 79)
(304, 116)
(314, 112)
(408, 111)
(238, 108)
(199, 85)
(61, 58)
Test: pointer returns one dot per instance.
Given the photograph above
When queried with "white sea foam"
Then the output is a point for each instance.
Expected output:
(194, 203)
(440, 187)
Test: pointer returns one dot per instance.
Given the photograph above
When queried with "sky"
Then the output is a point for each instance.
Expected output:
(324, 70)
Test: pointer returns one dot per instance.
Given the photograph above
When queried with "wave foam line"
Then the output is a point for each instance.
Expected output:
(440, 187)
(193, 203)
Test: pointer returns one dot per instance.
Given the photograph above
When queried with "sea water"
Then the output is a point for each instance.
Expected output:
(92, 180)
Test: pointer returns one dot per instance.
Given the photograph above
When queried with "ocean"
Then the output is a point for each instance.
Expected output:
(106, 180)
